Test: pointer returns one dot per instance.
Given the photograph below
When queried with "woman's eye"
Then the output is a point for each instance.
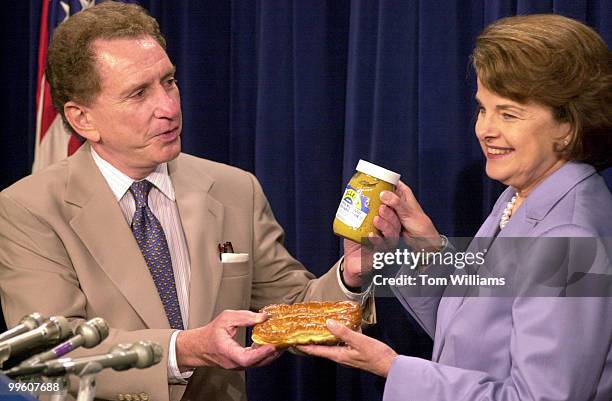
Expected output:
(507, 116)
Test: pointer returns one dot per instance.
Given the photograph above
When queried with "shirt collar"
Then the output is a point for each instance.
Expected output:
(119, 183)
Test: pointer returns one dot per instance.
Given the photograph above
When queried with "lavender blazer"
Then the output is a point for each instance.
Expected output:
(520, 348)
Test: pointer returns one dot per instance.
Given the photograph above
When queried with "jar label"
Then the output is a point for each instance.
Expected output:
(354, 207)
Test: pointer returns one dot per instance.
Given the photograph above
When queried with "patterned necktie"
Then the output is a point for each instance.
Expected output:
(154, 247)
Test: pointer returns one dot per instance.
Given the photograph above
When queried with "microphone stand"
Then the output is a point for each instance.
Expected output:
(87, 381)
(5, 352)
(63, 385)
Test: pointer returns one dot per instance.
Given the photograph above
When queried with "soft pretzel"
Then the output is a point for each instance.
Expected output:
(304, 323)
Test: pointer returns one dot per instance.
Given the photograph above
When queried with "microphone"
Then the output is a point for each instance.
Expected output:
(140, 354)
(88, 334)
(55, 328)
(27, 323)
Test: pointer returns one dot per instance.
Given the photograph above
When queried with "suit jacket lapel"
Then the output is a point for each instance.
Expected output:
(115, 250)
(202, 221)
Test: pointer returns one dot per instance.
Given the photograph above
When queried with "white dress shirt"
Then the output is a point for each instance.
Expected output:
(163, 205)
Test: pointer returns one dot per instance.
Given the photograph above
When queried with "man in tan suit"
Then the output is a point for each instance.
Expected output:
(68, 242)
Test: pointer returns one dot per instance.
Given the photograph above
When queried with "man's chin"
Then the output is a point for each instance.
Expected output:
(173, 155)
(166, 157)
(172, 150)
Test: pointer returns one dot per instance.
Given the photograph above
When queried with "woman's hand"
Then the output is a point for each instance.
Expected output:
(417, 229)
(361, 352)
(356, 256)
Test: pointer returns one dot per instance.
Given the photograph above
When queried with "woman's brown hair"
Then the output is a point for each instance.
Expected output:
(558, 62)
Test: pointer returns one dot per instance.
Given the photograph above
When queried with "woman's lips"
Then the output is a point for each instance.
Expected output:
(497, 152)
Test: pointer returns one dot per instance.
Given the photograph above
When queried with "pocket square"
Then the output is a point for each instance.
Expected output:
(234, 257)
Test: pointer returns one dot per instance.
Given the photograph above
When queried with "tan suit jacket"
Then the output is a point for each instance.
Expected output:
(66, 249)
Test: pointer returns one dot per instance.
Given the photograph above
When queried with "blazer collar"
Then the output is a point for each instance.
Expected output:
(541, 201)
(84, 178)
(189, 178)
(546, 195)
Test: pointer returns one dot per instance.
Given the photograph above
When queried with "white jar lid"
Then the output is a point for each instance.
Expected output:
(378, 172)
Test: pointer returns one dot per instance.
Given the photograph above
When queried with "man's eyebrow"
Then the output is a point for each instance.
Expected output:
(170, 73)
(145, 84)
(134, 88)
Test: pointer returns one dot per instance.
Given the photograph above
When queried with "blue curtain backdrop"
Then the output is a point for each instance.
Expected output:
(297, 92)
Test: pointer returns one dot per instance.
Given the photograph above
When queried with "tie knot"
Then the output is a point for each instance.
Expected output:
(140, 190)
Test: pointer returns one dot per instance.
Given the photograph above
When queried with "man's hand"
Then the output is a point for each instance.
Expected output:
(214, 344)
(361, 352)
(388, 223)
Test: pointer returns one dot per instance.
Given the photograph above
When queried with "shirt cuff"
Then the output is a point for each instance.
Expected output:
(360, 297)
(175, 376)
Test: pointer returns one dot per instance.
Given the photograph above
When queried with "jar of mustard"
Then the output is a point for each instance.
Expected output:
(361, 200)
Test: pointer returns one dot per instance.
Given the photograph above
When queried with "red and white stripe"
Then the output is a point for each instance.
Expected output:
(53, 141)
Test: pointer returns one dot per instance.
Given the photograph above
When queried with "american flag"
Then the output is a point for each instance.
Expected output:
(53, 142)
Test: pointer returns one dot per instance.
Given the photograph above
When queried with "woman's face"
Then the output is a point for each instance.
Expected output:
(518, 140)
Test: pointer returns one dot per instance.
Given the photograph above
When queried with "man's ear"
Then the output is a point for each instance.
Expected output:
(80, 119)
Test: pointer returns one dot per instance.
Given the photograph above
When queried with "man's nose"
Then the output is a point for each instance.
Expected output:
(167, 103)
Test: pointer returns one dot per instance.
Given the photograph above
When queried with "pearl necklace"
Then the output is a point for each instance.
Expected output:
(508, 212)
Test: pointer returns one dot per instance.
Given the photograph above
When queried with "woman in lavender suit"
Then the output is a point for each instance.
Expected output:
(545, 127)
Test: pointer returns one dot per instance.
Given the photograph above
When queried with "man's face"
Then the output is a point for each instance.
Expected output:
(137, 114)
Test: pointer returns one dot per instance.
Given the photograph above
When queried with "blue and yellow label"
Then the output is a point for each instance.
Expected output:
(353, 208)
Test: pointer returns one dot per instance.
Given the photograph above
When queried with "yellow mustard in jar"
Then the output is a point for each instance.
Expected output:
(361, 200)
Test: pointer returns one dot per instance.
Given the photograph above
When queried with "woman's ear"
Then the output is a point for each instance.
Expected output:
(566, 133)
